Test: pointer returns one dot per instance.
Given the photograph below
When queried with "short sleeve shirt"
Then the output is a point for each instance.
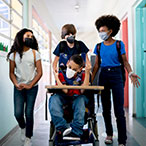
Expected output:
(25, 68)
(71, 51)
(109, 54)
(67, 52)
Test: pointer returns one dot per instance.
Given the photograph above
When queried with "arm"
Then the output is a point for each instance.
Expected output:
(55, 63)
(87, 76)
(95, 68)
(87, 60)
(59, 82)
(36, 78)
(12, 75)
(134, 78)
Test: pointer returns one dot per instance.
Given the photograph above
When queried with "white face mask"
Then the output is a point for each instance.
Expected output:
(70, 73)
(103, 35)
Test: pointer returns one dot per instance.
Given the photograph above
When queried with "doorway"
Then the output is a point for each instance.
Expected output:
(125, 40)
(141, 58)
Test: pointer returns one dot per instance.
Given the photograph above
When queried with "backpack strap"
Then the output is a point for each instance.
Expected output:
(34, 54)
(63, 45)
(118, 46)
(98, 51)
(77, 46)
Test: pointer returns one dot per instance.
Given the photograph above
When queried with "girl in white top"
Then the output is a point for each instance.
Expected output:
(25, 72)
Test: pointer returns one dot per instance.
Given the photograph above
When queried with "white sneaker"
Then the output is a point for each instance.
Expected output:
(22, 136)
(67, 131)
(27, 142)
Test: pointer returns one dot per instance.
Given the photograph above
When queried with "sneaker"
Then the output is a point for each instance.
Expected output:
(109, 140)
(67, 131)
(121, 145)
(71, 136)
(22, 136)
(27, 142)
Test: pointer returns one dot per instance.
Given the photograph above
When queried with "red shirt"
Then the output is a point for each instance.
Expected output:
(75, 81)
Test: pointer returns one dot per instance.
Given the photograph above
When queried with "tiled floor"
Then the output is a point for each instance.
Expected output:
(136, 131)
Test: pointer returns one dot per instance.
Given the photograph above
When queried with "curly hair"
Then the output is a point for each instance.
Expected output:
(67, 29)
(110, 21)
(18, 43)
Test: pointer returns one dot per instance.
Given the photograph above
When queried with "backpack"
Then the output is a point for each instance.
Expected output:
(34, 54)
(118, 46)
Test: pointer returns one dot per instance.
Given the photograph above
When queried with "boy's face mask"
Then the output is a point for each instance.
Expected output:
(70, 73)
(104, 35)
(71, 39)
(28, 42)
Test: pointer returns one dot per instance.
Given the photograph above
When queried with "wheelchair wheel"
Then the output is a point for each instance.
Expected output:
(95, 130)
(52, 129)
(51, 143)
(52, 133)
(96, 143)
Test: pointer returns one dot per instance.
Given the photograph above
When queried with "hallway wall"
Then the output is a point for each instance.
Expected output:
(7, 121)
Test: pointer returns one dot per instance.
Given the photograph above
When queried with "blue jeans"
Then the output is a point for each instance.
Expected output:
(25, 98)
(112, 80)
(56, 103)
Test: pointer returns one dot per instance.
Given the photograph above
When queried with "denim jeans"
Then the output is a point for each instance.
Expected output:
(56, 103)
(111, 79)
(25, 99)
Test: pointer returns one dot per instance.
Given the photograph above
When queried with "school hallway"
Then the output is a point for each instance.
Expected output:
(46, 18)
(136, 130)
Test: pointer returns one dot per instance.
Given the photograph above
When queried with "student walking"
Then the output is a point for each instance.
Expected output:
(112, 62)
(25, 72)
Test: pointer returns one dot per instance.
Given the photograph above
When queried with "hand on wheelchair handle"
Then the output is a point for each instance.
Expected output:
(55, 73)
(88, 67)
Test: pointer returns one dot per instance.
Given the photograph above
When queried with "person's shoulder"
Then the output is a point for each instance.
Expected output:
(11, 57)
(62, 42)
(99, 44)
(80, 42)
(120, 41)
(34, 51)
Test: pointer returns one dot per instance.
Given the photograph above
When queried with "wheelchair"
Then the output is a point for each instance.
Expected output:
(90, 135)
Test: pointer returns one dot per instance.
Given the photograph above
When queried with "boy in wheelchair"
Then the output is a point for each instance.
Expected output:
(75, 98)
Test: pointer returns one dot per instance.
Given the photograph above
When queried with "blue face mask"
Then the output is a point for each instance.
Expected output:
(103, 35)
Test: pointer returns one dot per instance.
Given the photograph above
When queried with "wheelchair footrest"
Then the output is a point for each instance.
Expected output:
(84, 140)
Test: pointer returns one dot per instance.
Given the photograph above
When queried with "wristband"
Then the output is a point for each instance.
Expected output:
(130, 74)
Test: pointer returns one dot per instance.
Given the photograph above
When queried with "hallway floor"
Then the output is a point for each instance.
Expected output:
(136, 131)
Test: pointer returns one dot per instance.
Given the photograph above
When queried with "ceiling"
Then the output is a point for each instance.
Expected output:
(81, 13)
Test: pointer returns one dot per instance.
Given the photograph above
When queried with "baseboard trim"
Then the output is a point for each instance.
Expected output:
(7, 136)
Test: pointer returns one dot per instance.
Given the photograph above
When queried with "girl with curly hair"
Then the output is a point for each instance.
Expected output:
(110, 60)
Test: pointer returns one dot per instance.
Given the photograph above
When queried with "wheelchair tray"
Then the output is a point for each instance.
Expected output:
(56, 88)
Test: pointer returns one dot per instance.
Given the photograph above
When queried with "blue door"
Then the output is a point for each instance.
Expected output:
(144, 52)
(141, 60)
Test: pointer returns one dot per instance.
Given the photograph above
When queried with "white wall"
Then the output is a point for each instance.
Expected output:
(7, 120)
